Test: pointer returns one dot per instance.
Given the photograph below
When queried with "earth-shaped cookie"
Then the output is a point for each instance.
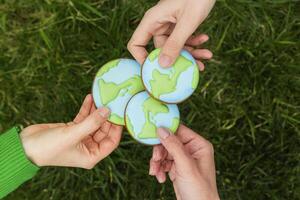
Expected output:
(145, 114)
(115, 83)
(173, 84)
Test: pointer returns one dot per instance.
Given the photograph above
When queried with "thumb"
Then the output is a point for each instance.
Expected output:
(175, 148)
(90, 124)
(175, 43)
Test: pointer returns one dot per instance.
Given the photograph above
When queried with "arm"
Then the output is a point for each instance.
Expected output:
(15, 168)
(82, 143)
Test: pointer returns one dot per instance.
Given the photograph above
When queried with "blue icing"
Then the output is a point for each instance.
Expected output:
(163, 120)
(184, 83)
(96, 94)
(188, 56)
(125, 70)
(117, 106)
(135, 112)
(181, 89)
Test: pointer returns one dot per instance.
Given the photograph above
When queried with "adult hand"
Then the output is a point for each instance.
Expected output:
(81, 143)
(171, 23)
(189, 160)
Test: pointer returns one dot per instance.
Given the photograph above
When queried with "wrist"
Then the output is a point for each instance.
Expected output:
(28, 146)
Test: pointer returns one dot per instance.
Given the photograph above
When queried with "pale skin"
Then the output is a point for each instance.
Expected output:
(171, 24)
(188, 159)
(82, 143)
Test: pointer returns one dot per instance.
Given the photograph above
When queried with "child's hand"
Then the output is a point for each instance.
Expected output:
(81, 143)
(171, 23)
(189, 160)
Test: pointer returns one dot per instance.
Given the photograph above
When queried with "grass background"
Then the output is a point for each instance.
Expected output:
(247, 103)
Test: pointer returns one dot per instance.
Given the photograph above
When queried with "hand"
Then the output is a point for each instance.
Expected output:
(171, 23)
(81, 143)
(189, 160)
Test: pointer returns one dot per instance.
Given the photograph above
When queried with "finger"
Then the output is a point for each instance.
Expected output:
(109, 143)
(162, 34)
(201, 66)
(90, 144)
(159, 40)
(202, 54)
(102, 132)
(172, 173)
(89, 125)
(197, 40)
(106, 126)
(154, 167)
(115, 133)
(188, 48)
(161, 176)
(186, 134)
(99, 135)
(196, 147)
(85, 109)
(176, 41)
(175, 148)
(142, 36)
(93, 108)
(167, 165)
(158, 153)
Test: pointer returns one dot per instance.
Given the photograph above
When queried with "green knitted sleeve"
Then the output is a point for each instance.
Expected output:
(15, 168)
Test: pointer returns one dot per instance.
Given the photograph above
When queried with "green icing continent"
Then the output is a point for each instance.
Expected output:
(154, 54)
(174, 125)
(164, 83)
(154, 107)
(195, 78)
(105, 68)
(116, 119)
(112, 90)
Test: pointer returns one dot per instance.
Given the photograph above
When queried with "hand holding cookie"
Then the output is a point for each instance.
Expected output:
(171, 24)
(81, 143)
(188, 158)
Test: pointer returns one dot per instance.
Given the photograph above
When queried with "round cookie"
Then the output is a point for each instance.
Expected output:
(144, 114)
(173, 84)
(115, 83)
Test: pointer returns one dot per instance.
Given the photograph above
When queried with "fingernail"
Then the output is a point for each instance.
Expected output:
(209, 55)
(155, 156)
(160, 179)
(104, 112)
(165, 60)
(163, 133)
(151, 171)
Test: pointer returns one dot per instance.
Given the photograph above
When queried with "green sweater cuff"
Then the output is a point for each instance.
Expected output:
(15, 168)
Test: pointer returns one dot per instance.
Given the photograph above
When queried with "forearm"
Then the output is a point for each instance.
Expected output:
(15, 168)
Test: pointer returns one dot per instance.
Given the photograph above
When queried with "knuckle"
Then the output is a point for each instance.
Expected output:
(130, 45)
(95, 121)
(172, 46)
(89, 166)
(149, 12)
(65, 130)
(209, 148)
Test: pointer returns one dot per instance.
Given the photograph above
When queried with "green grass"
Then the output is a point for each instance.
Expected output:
(247, 103)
